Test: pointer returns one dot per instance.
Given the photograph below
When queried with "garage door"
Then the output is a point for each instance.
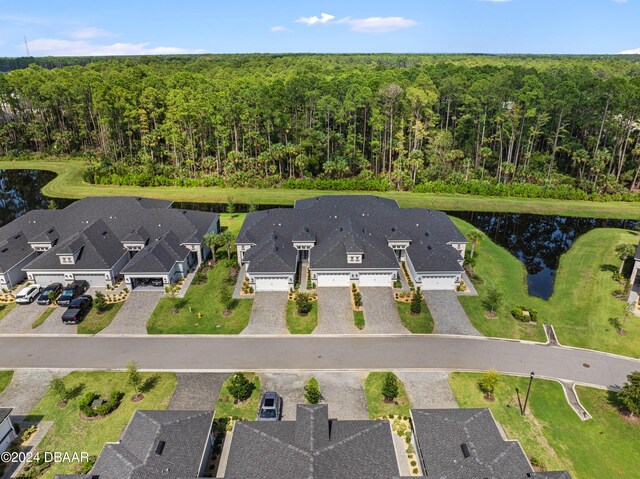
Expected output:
(367, 279)
(272, 284)
(95, 280)
(439, 283)
(325, 279)
(46, 279)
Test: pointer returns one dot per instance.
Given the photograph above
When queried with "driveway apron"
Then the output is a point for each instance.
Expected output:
(380, 312)
(134, 313)
(268, 314)
(335, 315)
(448, 314)
(20, 318)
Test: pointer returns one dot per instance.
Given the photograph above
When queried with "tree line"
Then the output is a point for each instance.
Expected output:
(524, 126)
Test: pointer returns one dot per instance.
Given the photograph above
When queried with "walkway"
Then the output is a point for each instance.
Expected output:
(448, 315)
(268, 314)
(380, 312)
(134, 313)
(25, 390)
(335, 315)
(312, 352)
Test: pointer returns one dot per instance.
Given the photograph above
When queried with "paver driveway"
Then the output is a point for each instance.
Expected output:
(54, 324)
(343, 391)
(134, 313)
(335, 315)
(20, 318)
(25, 390)
(290, 386)
(197, 391)
(268, 314)
(380, 312)
(428, 390)
(448, 315)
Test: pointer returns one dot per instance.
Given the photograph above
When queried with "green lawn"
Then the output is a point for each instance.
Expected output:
(247, 410)
(69, 184)
(93, 323)
(43, 317)
(606, 446)
(376, 404)
(420, 324)
(5, 379)
(297, 324)
(200, 298)
(70, 433)
(580, 306)
(5, 308)
(358, 319)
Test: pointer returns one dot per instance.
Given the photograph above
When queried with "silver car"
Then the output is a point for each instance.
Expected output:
(29, 294)
(270, 407)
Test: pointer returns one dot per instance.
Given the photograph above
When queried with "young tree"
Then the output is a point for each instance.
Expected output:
(240, 387)
(624, 252)
(630, 393)
(303, 303)
(226, 298)
(59, 389)
(494, 299)
(416, 301)
(99, 302)
(488, 382)
(474, 236)
(134, 378)
(231, 206)
(312, 391)
(390, 387)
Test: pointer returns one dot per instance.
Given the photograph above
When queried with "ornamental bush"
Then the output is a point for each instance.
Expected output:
(390, 387)
(240, 387)
(106, 408)
(312, 391)
(416, 302)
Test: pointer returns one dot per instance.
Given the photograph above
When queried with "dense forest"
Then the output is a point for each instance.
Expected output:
(561, 127)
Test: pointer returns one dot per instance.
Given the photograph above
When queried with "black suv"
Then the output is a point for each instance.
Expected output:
(72, 291)
(55, 288)
(77, 310)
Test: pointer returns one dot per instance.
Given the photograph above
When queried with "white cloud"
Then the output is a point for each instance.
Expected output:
(323, 18)
(25, 20)
(91, 32)
(378, 24)
(59, 47)
(635, 51)
(279, 28)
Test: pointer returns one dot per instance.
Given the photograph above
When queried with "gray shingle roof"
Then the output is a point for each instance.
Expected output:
(185, 434)
(13, 250)
(4, 413)
(157, 257)
(124, 217)
(312, 447)
(341, 224)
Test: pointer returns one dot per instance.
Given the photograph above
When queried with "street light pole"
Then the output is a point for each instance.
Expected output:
(526, 399)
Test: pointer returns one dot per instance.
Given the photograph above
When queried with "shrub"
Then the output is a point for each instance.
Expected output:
(100, 303)
(390, 387)
(488, 382)
(28, 432)
(518, 312)
(303, 303)
(416, 302)
(86, 466)
(357, 298)
(397, 284)
(494, 299)
(108, 407)
(312, 391)
(134, 378)
(199, 278)
(226, 297)
(629, 395)
(240, 387)
(59, 389)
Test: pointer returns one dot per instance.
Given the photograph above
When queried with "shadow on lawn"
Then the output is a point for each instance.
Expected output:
(149, 383)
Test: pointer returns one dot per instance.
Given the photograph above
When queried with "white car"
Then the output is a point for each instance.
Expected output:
(28, 294)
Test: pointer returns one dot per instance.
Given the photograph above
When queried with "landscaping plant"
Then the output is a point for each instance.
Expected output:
(99, 302)
(59, 389)
(488, 382)
(134, 378)
(240, 387)
(416, 302)
(303, 304)
(312, 391)
(390, 387)
(629, 395)
(494, 299)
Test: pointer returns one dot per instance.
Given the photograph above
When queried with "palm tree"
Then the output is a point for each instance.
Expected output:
(624, 251)
(210, 240)
(474, 236)
(225, 238)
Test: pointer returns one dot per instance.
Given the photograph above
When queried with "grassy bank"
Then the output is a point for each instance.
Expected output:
(70, 433)
(581, 305)
(5, 308)
(247, 410)
(297, 324)
(418, 324)
(93, 323)
(69, 184)
(552, 433)
(376, 404)
(43, 316)
(5, 379)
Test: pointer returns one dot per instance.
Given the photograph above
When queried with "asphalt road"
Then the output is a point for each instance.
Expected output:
(231, 353)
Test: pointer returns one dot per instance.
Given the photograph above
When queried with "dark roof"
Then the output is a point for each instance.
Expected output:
(13, 250)
(185, 435)
(138, 235)
(351, 223)
(125, 217)
(4, 413)
(467, 444)
(157, 257)
(313, 446)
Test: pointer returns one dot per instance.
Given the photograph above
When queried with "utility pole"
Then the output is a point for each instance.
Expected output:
(26, 45)
(526, 399)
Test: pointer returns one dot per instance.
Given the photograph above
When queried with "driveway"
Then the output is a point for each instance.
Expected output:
(54, 324)
(289, 385)
(268, 314)
(134, 313)
(335, 315)
(448, 315)
(380, 312)
(197, 391)
(428, 390)
(25, 390)
(343, 391)
(20, 318)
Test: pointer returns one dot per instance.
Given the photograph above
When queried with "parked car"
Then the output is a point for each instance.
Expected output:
(77, 310)
(29, 294)
(55, 288)
(72, 291)
(270, 407)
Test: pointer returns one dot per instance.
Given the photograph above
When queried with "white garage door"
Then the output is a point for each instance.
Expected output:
(370, 279)
(95, 280)
(326, 279)
(46, 279)
(439, 283)
(272, 284)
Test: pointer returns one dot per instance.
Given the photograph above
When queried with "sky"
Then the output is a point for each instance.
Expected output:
(136, 27)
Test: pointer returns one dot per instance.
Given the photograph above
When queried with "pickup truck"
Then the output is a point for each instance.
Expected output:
(77, 310)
